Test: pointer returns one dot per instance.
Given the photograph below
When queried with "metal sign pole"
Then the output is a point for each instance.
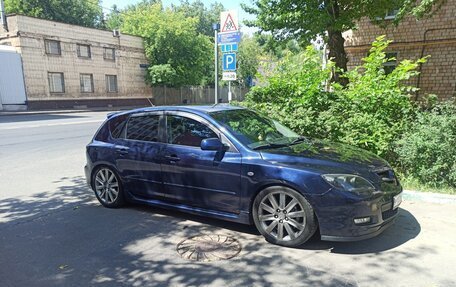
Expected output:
(216, 27)
(229, 92)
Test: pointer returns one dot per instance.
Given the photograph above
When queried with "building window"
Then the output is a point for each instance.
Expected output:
(56, 82)
(111, 83)
(84, 51)
(391, 64)
(109, 54)
(391, 14)
(52, 47)
(86, 83)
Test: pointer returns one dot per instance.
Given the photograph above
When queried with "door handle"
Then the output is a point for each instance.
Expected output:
(122, 150)
(172, 158)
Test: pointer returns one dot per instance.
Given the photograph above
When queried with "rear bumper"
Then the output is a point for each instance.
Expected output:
(87, 172)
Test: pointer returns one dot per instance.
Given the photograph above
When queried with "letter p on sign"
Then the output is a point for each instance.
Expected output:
(229, 62)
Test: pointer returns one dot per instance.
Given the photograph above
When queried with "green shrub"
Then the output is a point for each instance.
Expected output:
(427, 150)
(372, 112)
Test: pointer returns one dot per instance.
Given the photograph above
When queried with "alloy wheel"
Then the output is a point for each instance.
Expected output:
(106, 186)
(282, 216)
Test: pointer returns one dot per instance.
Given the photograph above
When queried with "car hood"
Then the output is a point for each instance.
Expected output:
(325, 156)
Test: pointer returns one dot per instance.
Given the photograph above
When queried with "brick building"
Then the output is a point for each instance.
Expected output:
(412, 39)
(67, 66)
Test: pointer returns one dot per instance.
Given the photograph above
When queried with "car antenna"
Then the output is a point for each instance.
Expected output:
(150, 102)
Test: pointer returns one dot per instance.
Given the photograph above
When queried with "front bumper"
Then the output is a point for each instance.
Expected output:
(336, 213)
(365, 235)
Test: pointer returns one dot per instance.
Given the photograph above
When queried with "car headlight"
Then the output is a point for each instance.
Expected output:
(349, 182)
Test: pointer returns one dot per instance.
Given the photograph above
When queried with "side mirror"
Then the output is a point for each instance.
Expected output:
(212, 144)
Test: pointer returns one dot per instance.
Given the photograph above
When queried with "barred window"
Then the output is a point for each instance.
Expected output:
(84, 51)
(109, 54)
(52, 47)
(391, 64)
(111, 83)
(86, 83)
(56, 82)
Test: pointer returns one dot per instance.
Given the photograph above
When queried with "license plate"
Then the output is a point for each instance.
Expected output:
(397, 200)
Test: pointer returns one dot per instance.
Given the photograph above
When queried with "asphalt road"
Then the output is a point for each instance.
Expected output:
(54, 233)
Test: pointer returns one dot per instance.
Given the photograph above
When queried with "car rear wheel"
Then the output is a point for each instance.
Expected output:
(283, 216)
(108, 188)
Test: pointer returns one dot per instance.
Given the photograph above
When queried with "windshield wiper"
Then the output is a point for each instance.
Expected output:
(298, 140)
(269, 145)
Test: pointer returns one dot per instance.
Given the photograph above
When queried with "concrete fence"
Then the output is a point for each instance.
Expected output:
(192, 95)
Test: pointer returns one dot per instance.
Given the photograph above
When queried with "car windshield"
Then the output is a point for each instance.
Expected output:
(254, 130)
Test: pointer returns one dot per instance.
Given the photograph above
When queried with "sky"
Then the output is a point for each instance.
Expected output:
(228, 4)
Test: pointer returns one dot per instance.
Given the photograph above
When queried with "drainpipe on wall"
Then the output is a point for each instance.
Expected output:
(3, 16)
(418, 82)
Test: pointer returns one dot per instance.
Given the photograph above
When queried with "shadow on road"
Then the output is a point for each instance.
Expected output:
(37, 117)
(64, 238)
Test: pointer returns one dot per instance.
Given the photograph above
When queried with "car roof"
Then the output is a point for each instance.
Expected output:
(202, 109)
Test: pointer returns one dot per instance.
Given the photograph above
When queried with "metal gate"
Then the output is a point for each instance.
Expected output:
(12, 89)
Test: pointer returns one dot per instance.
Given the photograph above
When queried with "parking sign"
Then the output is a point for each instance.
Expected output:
(229, 62)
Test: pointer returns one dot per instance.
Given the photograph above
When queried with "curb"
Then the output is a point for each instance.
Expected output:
(411, 195)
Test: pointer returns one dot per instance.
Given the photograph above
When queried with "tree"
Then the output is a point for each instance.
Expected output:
(248, 58)
(307, 20)
(114, 19)
(206, 16)
(86, 13)
(178, 55)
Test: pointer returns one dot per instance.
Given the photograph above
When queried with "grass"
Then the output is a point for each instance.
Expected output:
(413, 184)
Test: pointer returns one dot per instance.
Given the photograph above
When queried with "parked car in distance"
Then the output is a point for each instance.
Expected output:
(231, 163)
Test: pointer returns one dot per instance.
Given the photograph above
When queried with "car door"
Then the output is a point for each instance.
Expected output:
(206, 179)
(138, 154)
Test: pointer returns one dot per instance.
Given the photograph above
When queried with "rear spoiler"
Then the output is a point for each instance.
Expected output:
(110, 115)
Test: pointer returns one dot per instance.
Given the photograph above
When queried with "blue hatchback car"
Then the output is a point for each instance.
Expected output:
(231, 163)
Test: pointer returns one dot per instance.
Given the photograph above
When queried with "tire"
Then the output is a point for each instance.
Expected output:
(108, 188)
(271, 213)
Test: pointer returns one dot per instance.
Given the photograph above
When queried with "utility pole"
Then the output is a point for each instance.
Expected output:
(3, 16)
(216, 27)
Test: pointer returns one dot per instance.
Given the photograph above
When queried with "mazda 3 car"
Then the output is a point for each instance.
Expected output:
(233, 164)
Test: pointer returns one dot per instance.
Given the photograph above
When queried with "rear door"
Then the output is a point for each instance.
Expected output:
(138, 153)
(206, 179)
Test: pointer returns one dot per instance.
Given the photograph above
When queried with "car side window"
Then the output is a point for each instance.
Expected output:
(116, 126)
(143, 128)
(185, 131)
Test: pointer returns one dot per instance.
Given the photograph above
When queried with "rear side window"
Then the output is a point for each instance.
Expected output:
(143, 128)
(117, 126)
(185, 131)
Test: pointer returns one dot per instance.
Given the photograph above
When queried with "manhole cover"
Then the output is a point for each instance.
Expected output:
(209, 248)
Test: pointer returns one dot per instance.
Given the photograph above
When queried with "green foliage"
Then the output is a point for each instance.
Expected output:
(78, 12)
(177, 53)
(248, 58)
(206, 16)
(371, 112)
(427, 150)
(307, 20)
(376, 105)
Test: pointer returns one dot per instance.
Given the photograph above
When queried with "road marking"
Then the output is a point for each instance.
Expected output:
(51, 125)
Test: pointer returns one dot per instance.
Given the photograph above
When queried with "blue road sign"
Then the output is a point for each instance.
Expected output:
(229, 62)
(231, 37)
(231, 47)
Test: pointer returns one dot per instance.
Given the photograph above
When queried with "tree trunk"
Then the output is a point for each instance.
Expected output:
(336, 43)
(338, 55)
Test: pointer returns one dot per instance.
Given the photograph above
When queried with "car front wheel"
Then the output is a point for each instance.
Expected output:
(108, 188)
(283, 216)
